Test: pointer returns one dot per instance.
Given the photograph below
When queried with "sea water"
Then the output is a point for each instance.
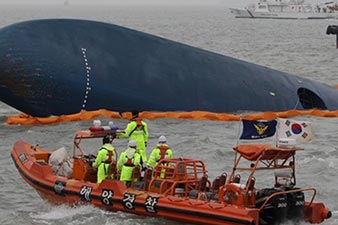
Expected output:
(299, 47)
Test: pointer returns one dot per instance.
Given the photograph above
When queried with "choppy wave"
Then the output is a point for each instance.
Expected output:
(299, 47)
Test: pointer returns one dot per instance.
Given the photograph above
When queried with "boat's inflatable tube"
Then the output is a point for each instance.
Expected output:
(62, 66)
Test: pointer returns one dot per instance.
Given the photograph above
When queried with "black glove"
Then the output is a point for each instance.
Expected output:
(146, 144)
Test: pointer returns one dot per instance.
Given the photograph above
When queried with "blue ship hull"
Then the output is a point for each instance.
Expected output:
(62, 66)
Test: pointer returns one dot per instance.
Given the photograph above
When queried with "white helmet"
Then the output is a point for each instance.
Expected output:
(132, 143)
(162, 139)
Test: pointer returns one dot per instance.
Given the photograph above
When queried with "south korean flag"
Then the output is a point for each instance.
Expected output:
(301, 131)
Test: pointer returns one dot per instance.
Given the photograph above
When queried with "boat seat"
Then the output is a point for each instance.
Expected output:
(155, 186)
(193, 194)
(208, 195)
(215, 197)
(147, 178)
(157, 183)
(138, 185)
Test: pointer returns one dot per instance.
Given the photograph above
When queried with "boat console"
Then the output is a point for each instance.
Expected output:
(83, 169)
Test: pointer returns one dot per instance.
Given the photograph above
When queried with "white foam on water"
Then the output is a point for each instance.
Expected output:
(63, 212)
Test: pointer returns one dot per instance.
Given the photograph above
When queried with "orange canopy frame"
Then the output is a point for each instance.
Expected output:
(196, 115)
(267, 152)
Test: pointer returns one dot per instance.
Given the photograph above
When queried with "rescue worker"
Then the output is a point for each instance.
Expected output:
(161, 151)
(105, 156)
(137, 130)
(128, 160)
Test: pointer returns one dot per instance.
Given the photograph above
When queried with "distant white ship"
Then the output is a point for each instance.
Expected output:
(287, 9)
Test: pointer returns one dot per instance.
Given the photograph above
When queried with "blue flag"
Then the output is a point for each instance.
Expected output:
(253, 129)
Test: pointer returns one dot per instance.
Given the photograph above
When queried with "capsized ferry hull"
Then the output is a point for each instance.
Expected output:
(62, 66)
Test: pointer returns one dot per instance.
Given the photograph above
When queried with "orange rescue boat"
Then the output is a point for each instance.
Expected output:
(179, 189)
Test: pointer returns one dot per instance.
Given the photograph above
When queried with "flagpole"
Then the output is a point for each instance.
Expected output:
(239, 130)
(238, 136)
(277, 130)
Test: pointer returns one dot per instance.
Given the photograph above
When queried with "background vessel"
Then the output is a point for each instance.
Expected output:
(287, 9)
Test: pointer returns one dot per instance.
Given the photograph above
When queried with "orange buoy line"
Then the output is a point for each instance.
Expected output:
(197, 115)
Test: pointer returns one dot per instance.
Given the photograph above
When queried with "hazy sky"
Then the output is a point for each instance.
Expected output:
(136, 2)
(229, 3)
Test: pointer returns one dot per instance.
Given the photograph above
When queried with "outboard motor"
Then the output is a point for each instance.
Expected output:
(296, 203)
(333, 29)
(275, 211)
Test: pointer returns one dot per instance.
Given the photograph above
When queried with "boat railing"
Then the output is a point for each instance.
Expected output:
(176, 176)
